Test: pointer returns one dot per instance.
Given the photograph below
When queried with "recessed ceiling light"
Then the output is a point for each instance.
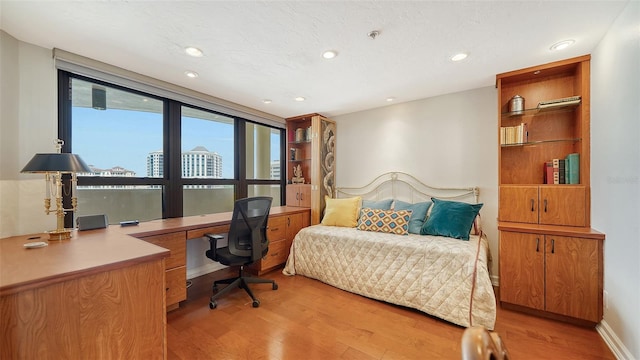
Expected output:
(390, 99)
(191, 74)
(266, 101)
(458, 57)
(329, 54)
(300, 98)
(193, 51)
(561, 45)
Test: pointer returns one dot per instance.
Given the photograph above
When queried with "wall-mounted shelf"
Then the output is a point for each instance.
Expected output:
(529, 143)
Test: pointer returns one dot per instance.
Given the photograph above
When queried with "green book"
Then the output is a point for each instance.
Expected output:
(574, 168)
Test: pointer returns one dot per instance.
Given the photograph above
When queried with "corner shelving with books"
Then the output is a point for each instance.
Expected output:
(550, 259)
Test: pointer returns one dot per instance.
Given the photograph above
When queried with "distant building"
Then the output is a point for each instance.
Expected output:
(275, 170)
(118, 171)
(201, 163)
(155, 161)
(197, 163)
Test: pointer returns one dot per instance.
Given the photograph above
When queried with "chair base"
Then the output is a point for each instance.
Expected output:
(239, 281)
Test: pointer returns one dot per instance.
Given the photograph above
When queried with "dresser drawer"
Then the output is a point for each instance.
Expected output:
(276, 228)
(278, 253)
(176, 242)
(176, 285)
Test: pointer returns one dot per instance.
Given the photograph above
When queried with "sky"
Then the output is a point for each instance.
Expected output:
(112, 137)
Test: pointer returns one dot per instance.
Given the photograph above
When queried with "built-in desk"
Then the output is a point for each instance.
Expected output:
(101, 295)
(284, 223)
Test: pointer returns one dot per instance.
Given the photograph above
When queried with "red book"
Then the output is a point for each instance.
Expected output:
(548, 172)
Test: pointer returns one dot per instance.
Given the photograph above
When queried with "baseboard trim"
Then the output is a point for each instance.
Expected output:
(203, 270)
(613, 341)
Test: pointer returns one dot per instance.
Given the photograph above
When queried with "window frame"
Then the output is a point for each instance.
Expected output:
(172, 182)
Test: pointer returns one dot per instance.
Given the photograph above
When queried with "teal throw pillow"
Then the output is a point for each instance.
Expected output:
(451, 218)
(418, 214)
(380, 205)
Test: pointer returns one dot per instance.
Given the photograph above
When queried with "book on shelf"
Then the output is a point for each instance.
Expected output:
(556, 171)
(548, 172)
(573, 166)
(548, 104)
(562, 171)
(510, 135)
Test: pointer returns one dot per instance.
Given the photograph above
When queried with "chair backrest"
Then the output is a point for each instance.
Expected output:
(248, 228)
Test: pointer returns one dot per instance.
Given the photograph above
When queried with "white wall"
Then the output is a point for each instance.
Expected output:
(615, 175)
(444, 141)
(28, 124)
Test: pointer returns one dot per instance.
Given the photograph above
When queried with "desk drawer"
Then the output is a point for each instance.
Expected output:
(176, 285)
(198, 233)
(278, 253)
(176, 242)
(277, 228)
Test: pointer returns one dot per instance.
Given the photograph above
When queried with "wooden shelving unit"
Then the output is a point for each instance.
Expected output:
(550, 258)
(311, 141)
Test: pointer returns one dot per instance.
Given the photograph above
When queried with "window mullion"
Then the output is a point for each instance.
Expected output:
(173, 197)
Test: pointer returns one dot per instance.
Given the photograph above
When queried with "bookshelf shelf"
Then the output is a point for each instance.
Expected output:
(545, 111)
(529, 143)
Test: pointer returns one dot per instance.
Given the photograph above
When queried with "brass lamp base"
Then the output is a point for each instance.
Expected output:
(59, 235)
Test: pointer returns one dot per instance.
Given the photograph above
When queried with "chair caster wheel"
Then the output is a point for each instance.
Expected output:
(213, 305)
(256, 303)
(275, 286)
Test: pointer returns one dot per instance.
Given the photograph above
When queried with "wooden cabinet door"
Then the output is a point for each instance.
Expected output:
(573, 277)
(295, 222)
(522, 269)
(563, 205)
(305, 195)
(293, 196)
(518, 204)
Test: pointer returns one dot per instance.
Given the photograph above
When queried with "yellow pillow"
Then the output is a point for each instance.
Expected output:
(341, 212)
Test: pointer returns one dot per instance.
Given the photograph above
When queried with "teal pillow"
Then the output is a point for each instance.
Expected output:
(451, 218)
(418, 214)
(378, 205)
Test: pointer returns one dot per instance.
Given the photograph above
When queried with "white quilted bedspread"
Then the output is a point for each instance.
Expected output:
(429, 273)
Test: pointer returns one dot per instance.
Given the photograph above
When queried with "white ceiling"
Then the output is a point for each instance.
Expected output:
(255, 50)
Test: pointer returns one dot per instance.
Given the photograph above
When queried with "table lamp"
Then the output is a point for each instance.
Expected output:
(54, 165)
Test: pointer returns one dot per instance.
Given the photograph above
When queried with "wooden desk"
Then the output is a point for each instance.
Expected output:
(284, 224)
(100, 295)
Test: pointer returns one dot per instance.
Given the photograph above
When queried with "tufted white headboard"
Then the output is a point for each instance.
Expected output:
(402, 186)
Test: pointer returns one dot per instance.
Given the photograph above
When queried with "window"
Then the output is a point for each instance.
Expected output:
(263, 173)
(208, 152)
(155, 157)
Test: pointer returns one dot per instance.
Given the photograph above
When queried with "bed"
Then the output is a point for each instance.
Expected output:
(442, 276)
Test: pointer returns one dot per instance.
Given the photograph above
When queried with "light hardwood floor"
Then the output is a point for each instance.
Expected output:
(306, 319)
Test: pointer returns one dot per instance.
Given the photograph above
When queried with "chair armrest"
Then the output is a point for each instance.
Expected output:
(213, 242)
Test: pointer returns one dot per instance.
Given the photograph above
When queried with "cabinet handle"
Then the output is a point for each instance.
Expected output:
(297, 196)
(553, 246)
(537, 244)
(545, 205)
(532, 203)
(288, 221)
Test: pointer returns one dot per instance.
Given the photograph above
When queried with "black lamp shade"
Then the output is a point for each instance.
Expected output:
(62, 162)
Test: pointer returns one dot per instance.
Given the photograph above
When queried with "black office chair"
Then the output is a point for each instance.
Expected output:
(247, 244)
